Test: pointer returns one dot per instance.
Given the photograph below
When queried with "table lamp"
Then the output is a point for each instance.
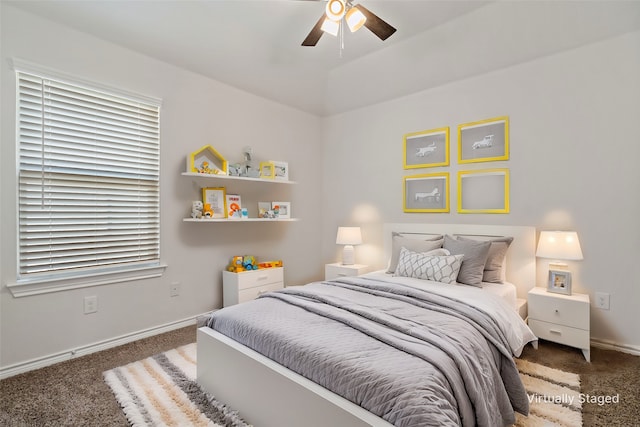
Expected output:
(559, 246)
(348, 236)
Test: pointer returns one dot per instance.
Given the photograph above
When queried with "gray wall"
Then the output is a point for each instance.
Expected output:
(573, 164)
(196, 111)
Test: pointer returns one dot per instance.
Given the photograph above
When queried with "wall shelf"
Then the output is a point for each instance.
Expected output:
(235, 178)
(240, 220)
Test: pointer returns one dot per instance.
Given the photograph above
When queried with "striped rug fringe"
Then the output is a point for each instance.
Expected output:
(162, 391)
(554, 396)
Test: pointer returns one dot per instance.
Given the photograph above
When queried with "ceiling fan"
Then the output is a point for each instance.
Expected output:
(355, 16)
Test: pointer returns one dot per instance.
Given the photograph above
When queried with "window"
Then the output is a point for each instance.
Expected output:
(88, 180)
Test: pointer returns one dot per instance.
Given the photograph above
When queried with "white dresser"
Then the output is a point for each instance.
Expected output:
(336, 270)
(561, 318)
(247, 285)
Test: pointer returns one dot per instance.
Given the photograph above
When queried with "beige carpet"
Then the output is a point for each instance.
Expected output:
(161, 391)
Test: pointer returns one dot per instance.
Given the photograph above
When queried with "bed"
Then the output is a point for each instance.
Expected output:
(393, 348)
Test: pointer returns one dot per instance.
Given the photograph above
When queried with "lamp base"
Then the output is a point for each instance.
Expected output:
(556, 265)
(348, 255)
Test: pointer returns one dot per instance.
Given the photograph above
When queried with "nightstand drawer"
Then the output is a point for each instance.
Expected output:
(335, 271)
(256, 278)
(553, 308)
(561, 334)
(253, 293)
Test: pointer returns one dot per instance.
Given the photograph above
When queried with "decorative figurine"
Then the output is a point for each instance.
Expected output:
(207, 212)
(270, 264)
(249, 168)
(204, 168)
(235, 266)
(196, 209)
(249, 262)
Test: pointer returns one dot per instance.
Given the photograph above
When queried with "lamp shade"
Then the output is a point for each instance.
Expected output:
(355, 19)
(335, 9)
(349, 236)
(330, 27)
(559, 245)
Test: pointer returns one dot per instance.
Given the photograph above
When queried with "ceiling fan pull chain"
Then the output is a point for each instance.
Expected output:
(341, 37)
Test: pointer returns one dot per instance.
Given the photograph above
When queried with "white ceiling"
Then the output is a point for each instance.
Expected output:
(255, 45)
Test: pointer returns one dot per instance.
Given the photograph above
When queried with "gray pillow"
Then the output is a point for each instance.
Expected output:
(497, 252)
(415, 245)
(475, 256)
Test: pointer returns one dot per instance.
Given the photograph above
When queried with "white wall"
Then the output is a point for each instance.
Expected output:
(573, 163)
(573, 166)
(195, 111)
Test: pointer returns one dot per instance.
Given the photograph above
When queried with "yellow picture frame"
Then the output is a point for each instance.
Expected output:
(419, 147)
(267, 170)
(216, 197)
(484, 191)
(484, 140)
(426, 193)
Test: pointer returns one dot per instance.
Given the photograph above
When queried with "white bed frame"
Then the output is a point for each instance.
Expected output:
(267, 394)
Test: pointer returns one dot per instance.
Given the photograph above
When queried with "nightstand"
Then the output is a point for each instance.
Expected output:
(333, 271)
(248, 285)
(561, 318)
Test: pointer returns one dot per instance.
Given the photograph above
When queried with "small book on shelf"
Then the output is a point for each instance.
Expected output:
(234, 206)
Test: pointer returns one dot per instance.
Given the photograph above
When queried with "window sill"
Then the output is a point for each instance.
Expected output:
(45, 286)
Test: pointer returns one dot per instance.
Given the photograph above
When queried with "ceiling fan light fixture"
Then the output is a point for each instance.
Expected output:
(355, 19)
(330, 26)
(335, 9)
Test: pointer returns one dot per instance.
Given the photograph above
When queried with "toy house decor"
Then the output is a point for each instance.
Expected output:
(207, 160)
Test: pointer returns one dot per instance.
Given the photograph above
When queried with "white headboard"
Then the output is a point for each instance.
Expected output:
(521, 256)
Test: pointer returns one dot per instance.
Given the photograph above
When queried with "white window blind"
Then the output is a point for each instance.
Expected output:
(88, 179)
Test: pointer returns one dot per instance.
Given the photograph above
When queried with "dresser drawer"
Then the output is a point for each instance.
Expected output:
(559, 310)
(255, 278)
(253, 293)
(573, 337)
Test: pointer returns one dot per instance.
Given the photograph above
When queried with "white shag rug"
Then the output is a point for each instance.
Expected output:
(554, 396)
(162, 391)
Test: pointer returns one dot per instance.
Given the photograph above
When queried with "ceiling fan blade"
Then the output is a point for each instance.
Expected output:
(376, 25)
(315, 33)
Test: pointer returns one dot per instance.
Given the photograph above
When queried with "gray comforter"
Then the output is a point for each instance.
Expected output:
(412, 357)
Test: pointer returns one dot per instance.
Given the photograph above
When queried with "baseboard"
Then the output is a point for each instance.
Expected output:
(610, 345)
(41, 362)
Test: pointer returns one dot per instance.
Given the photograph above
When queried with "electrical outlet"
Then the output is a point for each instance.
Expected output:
(174, 289)
(602, 300)
(90, 304)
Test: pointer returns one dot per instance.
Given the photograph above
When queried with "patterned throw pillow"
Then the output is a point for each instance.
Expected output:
(428, 267)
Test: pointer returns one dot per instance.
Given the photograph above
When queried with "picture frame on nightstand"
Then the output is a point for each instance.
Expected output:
(559, 282)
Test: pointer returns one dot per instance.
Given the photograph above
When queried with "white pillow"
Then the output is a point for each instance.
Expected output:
(440, 268)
